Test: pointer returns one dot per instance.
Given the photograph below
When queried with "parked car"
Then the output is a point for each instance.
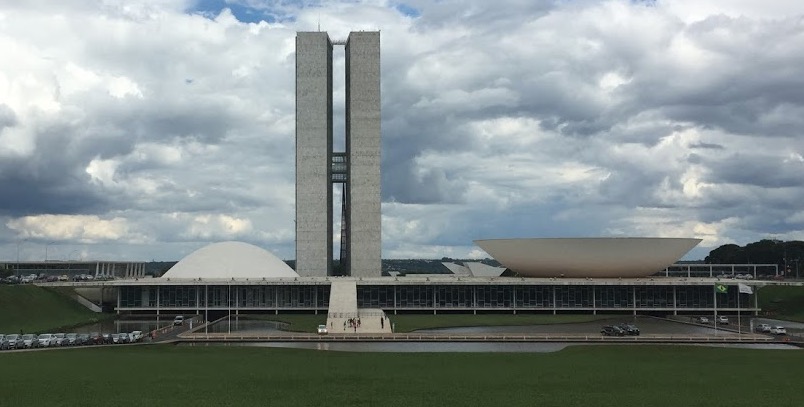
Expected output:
(96, 338)
(723, 320)
(46, 340)
(322, 330)
(629, 329)
(29, 341)
(703, 320)
(61, 339)
(14, 341)
(83, 339)
(610, 330)
(764, 328)
(70, 340)
(136, 336)
(116, 338)
(778, 330)
(3, 342)
(179, 320)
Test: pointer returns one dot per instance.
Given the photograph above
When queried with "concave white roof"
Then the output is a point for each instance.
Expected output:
(474, 269)
(479, 269)
(457, 269)
(588, 257)
(226, 260)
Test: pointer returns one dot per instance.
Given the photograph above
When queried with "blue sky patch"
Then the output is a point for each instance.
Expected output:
(243, 13)
(407, 10)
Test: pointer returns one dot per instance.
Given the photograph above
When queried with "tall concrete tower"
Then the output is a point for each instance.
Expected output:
(318, 167)
(313, 154)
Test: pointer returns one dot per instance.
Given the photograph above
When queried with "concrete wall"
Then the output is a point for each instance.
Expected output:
(363, 150)
(313, 151)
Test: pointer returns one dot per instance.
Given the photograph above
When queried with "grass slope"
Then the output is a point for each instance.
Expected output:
(236, 376)
(35, 309)
(412, 322)
(783, 302)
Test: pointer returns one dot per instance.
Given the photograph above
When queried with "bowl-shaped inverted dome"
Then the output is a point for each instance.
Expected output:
(228, 260)
(588, 257)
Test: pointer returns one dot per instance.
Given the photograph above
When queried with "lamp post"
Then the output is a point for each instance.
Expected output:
(46, 247)
(19, 242)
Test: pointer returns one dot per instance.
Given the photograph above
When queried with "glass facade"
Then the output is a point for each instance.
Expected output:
(437, 296)
(225, 296)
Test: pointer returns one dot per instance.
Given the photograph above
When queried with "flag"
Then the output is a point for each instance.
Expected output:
(721, 289)
(745, 289)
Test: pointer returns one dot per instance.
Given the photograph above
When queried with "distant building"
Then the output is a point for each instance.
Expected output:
(95, 268)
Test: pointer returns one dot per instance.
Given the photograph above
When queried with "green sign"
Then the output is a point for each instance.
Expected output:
(721, 289)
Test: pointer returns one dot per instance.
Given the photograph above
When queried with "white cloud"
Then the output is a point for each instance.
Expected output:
(159, 129)
(78, 228)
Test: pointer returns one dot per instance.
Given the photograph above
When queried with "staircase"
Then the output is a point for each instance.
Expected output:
(343, 308)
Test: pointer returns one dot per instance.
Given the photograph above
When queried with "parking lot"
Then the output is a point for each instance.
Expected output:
(57, 340)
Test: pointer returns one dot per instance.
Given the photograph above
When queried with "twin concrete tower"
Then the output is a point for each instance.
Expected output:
(318, 167)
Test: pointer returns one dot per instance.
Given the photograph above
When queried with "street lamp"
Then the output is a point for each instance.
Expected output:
(46, 246)
(19, 242)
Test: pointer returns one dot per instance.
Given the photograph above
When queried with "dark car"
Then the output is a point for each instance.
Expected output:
(611, 330)
(83, 339)
(629, 329)
(96, 338)
(71, 339)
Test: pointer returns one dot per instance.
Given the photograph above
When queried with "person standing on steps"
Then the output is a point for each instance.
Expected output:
(382, 323)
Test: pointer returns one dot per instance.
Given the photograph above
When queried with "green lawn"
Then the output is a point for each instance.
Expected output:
(783, 302)
(412, 322)
(35, 309)
(296, 322)
(587, 376)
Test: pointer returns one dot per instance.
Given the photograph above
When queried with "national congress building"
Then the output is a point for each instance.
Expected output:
(318, 167)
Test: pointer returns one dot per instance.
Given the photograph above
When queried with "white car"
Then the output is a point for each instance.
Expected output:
(778, 330)
(764, 328)
(179, 320)
(703, 320)
(322, 330)
(135, 336)
(46, 340)
(722, 320)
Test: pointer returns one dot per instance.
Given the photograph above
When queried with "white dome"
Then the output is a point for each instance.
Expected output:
(228, 260)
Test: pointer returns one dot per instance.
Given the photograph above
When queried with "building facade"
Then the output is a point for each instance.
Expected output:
(318, 167)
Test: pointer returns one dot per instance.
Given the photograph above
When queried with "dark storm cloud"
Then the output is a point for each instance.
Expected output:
(49, 181)
(709, 146)
(758, 170)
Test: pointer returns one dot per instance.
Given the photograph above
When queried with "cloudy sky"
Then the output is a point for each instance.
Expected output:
(146, 129)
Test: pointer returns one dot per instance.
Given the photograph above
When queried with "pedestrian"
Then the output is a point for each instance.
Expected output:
(358, 322)
(344, 325)
(382, 323)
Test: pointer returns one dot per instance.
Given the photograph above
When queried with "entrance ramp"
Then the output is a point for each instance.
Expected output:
(343, 315)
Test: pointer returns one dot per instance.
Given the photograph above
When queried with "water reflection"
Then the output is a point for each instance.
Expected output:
(403, 347)
(647, 325)
(439, 347)
(245, 326)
